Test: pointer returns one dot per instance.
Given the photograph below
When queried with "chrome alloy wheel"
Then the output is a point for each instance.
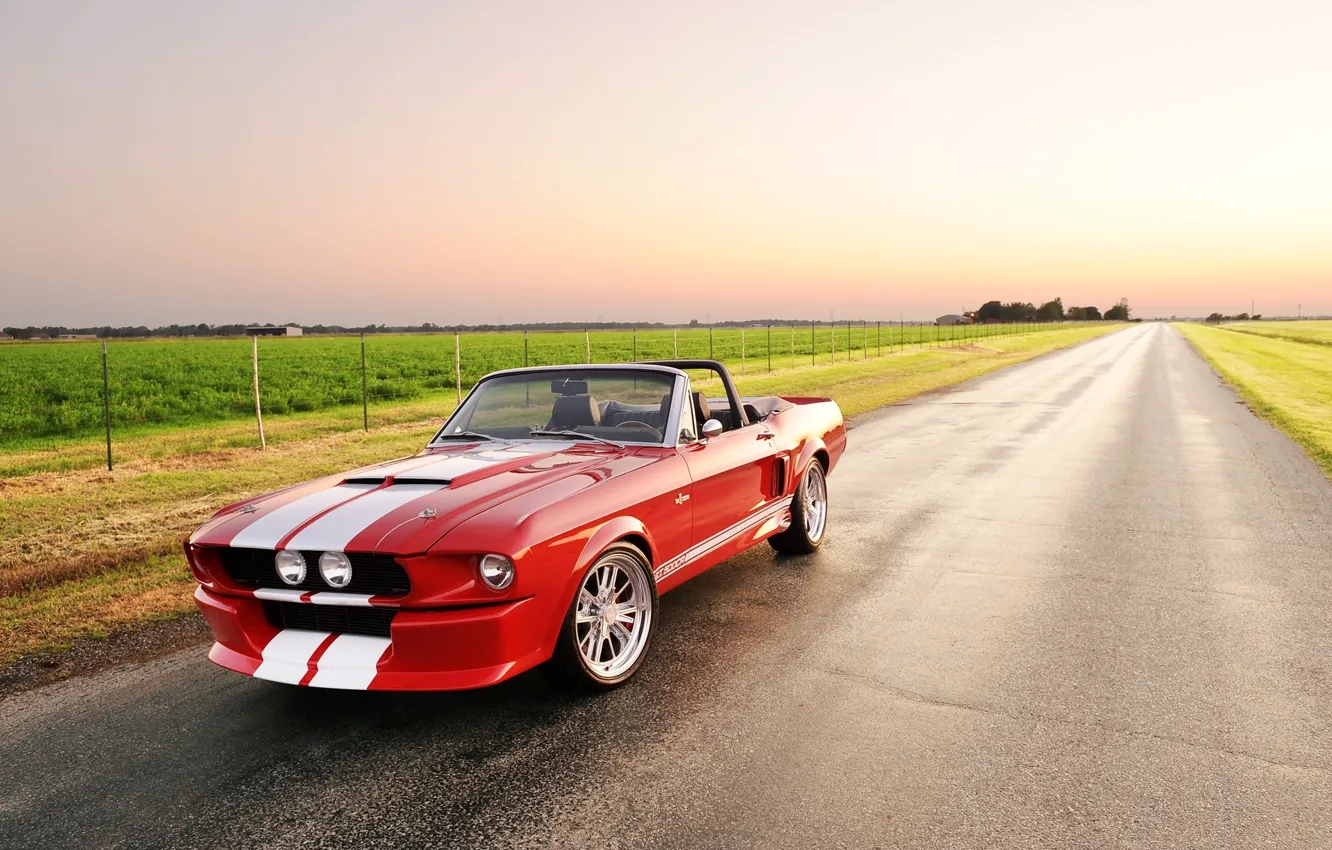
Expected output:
(815, 505)
(614, 615)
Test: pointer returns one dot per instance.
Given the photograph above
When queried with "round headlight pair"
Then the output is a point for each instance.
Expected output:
(496, 571)
(333, 566)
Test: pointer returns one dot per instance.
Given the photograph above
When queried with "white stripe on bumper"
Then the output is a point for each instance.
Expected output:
(357, 600)
(278, 594)
(287, 655)
(350, 662)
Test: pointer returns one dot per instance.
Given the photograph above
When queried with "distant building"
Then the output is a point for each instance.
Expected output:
(4, 335)
(952, 319)
(287, 330)
(77, 336)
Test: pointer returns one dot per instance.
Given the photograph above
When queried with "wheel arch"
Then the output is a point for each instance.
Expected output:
(813, 449)
(620, 529)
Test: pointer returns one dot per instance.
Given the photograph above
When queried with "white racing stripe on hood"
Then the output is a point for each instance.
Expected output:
(267, 531)
(393, 468)
(350, 662)
(287, 655)
(447, 469)
(335, 529)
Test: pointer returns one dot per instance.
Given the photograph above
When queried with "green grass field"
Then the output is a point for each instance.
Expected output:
(85, 551)
(1286, 377)
(51, 393)
(1314, 331)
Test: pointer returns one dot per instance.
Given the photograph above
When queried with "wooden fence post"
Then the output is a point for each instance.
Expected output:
(106, 404)
(258, 412)
(365, 404)
(457, 363)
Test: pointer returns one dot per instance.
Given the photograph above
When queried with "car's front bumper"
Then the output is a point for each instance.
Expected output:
(427, 650)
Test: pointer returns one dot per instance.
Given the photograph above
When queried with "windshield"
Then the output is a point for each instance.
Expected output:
(621, 405)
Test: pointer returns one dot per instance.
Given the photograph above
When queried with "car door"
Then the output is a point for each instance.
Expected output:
(733, 477)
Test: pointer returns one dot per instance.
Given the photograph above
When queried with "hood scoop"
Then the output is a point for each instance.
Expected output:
(377, 480)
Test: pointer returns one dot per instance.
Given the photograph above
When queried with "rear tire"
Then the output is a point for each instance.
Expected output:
(809, 514)
(609, 626)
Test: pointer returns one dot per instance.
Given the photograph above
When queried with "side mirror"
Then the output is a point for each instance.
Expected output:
(711, 428)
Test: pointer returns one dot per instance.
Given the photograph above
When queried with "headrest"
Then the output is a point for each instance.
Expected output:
(702, 409)
(575, 411)
(569, 386)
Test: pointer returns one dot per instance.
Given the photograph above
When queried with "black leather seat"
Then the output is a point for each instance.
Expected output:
(574, 411)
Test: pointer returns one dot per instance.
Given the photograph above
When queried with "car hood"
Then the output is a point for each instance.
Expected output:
(404, 506)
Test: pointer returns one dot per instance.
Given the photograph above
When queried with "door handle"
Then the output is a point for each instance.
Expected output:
(766, 435)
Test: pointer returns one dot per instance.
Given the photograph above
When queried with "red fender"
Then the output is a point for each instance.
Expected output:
(609, 532)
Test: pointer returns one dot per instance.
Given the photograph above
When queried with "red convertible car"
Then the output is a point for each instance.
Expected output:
(539, 526)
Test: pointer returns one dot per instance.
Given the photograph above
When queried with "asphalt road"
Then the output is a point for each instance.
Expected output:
(1086, 602)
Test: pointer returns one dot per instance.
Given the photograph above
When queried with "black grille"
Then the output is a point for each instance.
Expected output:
(338, 619)
(374, 574)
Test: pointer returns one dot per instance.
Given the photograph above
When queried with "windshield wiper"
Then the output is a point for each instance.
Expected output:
(468, 435)
(568, 432)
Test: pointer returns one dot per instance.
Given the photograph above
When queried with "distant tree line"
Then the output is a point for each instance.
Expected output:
(990, 311)
(1050, 311)
(1239, 317)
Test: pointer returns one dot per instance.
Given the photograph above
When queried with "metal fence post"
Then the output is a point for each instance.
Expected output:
(258, 413)
(832, 342)
(525, 357)
(742, 349)
(675, 343)
(635, 357)
(106, 404)
(587, 346)
(710, 355)
(813, 343)
(769, 348)
(457, 363)
(365, 404)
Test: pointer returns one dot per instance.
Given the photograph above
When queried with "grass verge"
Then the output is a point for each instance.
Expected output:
(85, 551)
(1286, 381)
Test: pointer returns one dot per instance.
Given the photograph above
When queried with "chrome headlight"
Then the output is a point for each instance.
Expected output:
(496, 571)
(290, 566)
(335, 568)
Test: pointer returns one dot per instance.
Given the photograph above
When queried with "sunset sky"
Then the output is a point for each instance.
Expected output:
(338, 162)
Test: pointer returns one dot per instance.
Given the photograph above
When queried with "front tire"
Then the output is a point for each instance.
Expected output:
(610, 623)
(809, 514)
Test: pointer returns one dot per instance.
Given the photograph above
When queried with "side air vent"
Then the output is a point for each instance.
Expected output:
(779, 477)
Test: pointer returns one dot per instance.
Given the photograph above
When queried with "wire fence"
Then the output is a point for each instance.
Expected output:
(61, 400)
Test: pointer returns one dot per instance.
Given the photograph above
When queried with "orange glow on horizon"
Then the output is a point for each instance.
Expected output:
(453, 165)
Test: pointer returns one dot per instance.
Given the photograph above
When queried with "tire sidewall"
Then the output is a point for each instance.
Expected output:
(800, 497)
